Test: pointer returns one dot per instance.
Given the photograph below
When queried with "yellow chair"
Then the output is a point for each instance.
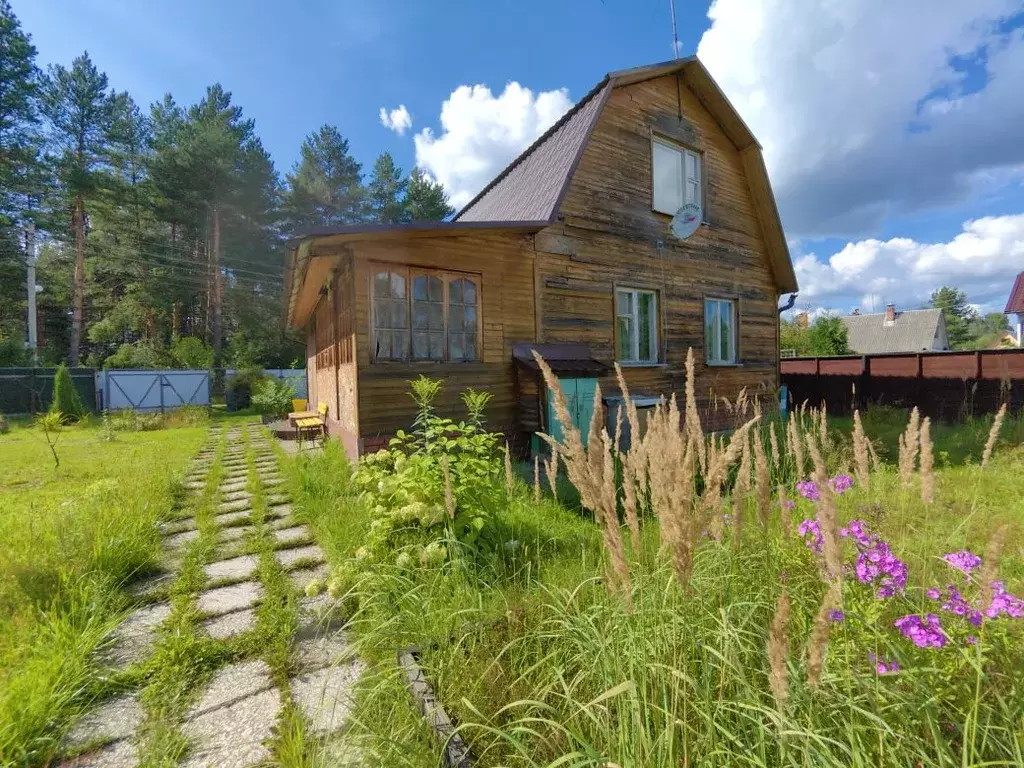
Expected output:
(299, 404)
(313, 424)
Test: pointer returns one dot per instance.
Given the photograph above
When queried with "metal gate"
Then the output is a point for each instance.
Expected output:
(151, 390)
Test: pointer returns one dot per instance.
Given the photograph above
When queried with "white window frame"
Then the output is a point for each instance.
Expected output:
(634, 344)
(690, 189)
(713, 346)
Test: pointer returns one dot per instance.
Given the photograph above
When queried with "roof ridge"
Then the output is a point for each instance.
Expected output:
(521, 157)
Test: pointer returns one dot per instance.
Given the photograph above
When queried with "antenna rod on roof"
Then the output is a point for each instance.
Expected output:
(675, 37)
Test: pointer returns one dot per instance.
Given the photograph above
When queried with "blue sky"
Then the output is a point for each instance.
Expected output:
(891, 130)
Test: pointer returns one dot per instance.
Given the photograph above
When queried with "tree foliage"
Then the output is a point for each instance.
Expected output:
(958, 314)
(160, 228)
(826, 336)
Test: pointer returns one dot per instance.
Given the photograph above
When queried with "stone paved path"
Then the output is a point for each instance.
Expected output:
(231, 724)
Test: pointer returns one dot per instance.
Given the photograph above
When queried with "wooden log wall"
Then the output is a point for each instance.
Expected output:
(504, 264)
(609, 236)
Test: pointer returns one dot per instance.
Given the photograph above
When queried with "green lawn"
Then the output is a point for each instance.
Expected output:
(70, 539)
(539, 664)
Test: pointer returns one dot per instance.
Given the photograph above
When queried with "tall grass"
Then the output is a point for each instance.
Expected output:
(69, 541)
(721, 644)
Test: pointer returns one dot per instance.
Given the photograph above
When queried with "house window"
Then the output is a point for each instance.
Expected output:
(636, 320)
(421, 315)
(676, 177)
(720, 331)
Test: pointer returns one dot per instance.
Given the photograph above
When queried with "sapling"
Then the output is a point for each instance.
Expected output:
(52, 425)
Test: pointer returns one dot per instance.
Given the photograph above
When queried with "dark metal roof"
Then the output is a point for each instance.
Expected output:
(438, 227)
(561, 358)
(532, 185)
(1015, 304)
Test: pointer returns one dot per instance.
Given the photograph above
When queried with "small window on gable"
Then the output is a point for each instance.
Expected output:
(720, 331)
(636, 321)
(675, 176)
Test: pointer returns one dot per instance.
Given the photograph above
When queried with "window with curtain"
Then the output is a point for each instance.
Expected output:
(437, 318)
(636, 315)
(720, 331)
(676, 177)
(390, 315)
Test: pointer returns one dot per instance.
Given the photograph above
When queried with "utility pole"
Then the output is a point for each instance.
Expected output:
(30, 268)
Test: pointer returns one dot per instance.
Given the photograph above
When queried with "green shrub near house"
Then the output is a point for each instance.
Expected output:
(66, 399)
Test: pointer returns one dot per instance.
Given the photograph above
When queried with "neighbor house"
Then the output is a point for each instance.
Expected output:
(1015, 306)
(912, 330)
(570, 250)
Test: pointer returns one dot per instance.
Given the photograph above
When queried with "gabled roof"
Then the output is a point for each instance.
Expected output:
(912, 331)
(1015, 304)
(533, 185)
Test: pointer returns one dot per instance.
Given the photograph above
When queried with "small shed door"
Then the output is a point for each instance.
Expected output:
(579, 397)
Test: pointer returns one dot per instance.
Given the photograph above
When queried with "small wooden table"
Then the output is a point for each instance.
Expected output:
(296, 415)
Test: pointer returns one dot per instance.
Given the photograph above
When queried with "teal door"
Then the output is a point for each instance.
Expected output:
(579, 396)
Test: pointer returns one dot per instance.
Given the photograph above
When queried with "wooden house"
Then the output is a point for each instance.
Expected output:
(570, 247)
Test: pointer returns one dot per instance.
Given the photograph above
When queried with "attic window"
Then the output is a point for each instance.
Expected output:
(675, 176)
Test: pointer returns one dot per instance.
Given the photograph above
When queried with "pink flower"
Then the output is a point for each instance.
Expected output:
(963, 560)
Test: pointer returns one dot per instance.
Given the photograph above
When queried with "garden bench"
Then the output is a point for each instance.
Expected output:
(310, 421)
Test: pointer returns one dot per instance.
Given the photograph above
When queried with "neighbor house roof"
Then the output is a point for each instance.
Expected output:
(1015, 304)
(912, 331)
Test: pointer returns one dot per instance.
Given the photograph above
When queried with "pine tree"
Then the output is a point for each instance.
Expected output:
(326, 186)
(386, 190)
(425, 199)
(66, 399)
(958, 315)
(19, 162)
(19, 91)
(80, 112)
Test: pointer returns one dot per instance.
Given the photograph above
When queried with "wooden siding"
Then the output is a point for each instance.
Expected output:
(505, 266)
(608, 236)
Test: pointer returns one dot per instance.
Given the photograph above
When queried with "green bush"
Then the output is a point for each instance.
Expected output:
(238, 393)
(139, 355)
(418, 511)
(191, 352)
(66, 399)
(273, 397)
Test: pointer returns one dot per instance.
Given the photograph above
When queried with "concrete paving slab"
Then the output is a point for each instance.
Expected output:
(234, 506)
(231, 624)
(235, 568)
(233, 518)
(233, 683)
(302, 576)
(292, 535)
(326, 696)
(179, 540)
(134, 636)
(288, 557)
(120, 754)
(234, 533)
(113, 720)
(234, 736)
(232, 598)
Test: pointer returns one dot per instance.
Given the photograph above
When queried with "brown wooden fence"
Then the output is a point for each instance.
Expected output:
(947, 386)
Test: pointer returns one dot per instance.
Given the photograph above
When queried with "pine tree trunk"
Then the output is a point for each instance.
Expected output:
(78, 294)
(218, 287)
(175, 320)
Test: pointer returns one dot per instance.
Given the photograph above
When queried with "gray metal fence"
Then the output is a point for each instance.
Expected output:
(117, 389)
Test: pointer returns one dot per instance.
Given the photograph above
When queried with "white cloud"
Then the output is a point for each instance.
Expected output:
(982, 260)
(872, 108)
(398, 120)
(481, 133)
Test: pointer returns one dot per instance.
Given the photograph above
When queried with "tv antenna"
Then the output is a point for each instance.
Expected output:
(675, 37)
